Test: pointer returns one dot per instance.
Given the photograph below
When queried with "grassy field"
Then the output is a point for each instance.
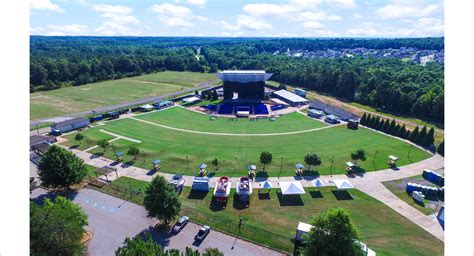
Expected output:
(272, 216)
(183, 151)
(85, 97)
(185, 119)
(397, 187)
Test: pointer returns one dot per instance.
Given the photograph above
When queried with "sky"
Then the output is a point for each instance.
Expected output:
(235, 18)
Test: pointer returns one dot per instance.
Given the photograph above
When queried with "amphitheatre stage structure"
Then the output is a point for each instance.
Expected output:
(244, 92)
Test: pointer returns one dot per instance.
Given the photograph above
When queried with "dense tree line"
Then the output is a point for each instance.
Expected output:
(423, 137)
(388, 84)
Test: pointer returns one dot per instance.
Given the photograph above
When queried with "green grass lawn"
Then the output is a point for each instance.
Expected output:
(397, 187)
(185, 119)
(272, 219)
(177, 148)
(85, 97)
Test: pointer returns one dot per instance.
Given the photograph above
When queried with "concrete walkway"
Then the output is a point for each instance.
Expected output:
(369, 183)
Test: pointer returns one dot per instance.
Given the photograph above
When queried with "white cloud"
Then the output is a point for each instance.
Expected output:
(170, 9)
(319, 16)
(357, 16)
(72, 29)
(269, 9)
(197, 2)
(112, 9)
(45, 5)
(312, 25)
(407, 9)
(343, 3)
(60, 30)
(247, 23)
(421, 27)
(324, 33)
(117, 20)
(175, 15)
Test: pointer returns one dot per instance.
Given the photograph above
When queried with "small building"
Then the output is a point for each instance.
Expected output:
(290, 98)
(192, 99)
(163, 104)
(332, 119)
(146, 108)
(315, 113)
(69, 125)
(300, 92)
(39, 139)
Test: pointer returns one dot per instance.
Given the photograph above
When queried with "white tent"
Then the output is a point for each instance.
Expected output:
(343, 184)
(291, 188)
(350, 164)
(317, 183)
(191, 99)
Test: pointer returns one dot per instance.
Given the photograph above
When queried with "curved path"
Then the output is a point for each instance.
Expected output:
(232, 134)
(369, 183)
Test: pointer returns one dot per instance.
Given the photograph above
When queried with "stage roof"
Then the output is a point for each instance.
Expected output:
(244, 76)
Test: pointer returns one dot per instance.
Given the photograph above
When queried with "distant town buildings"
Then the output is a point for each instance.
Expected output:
(406, 53)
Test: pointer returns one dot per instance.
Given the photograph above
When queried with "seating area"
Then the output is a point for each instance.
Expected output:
(232, 108)
(226, 109)
(211, 107)
(278, 107)
(260, 109)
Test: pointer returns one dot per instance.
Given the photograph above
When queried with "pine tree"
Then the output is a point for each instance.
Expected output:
(391, 127)
(441, 148)
(363, 119)
(401, 132)
(421, 136)
(407, 134)
(396, 130)
(370, 121)
(414, 135)
(384, 126)
(378, 123)
(428, 140)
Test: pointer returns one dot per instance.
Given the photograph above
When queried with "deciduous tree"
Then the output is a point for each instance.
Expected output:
(60, 168)
(333, 234)
(265, 158)
(161, 200)
(56, 228)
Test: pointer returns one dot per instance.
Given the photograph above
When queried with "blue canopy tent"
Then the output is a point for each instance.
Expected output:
(202, 169)
(299, 168)
(156, 164)
(119, 156)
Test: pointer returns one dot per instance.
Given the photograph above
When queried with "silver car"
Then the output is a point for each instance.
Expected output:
(180, 224)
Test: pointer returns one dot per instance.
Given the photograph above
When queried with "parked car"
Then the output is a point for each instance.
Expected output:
(180, 224)
(203, 232)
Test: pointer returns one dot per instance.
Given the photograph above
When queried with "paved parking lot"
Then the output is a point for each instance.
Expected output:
(111, 220)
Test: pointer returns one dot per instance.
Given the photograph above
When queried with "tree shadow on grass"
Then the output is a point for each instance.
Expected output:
(197, 195)
(216, 205)
(290, 200)
(358, 171)
(127, 164)
(74, 146)
(96, 155)
(310, 174)
(316, 194)
(342, 195)
(151, 172)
